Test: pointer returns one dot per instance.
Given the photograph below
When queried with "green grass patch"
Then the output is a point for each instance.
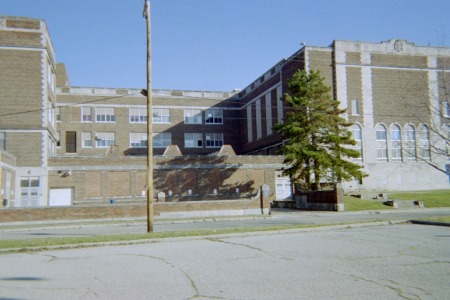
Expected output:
(356, 204)
(38, 244)
(438, 198)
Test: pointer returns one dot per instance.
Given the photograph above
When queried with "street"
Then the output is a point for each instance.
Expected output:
(376, 262)
(277, 218)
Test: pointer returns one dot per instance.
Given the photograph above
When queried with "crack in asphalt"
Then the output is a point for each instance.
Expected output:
(218, 240)
(395, 286)
(186, 275)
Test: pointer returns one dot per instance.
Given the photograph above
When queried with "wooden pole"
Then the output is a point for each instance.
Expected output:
(149, 123)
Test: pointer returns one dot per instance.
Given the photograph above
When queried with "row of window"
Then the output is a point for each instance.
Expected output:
(391, 144)
(160, 140)
(160, 115)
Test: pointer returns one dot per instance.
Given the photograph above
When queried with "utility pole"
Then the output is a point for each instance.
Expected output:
(149, 122)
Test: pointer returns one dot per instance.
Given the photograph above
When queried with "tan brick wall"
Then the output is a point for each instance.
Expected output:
(400, 96)
(443, 63)
(354, 92)
(22, 23)
(322, 61)
(19, 38)
(353, 58)
(27, 147)
(118, 184)
(21, 89)
(93, 184)
(398, 60)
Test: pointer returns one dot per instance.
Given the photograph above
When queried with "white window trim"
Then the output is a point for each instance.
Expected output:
(159, 112)
(98, 139)
(82, 114)
(213, 114)
(216, 138)
(192, 118)
(141, 114)
(138, 137)
(195, 138)
(84, 138)
(164, 137)
(111, 116)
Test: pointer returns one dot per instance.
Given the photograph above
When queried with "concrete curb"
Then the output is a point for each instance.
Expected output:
(316, 227)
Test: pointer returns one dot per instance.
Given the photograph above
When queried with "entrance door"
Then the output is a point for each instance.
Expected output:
(283, 188)
(30, 191)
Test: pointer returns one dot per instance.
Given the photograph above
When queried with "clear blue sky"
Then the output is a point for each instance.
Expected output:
(216, 44)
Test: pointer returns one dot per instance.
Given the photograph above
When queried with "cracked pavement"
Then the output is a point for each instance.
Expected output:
(376, 262)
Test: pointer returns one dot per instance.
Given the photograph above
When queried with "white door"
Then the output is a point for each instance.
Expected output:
(283, 188)
(60, 197)
(30, 191)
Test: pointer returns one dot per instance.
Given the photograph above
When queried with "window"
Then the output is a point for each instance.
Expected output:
(355, 107)
(446, 109)
(105, 114)
(192, 116)
(381, 142)
(86, 138)
(2, 141)
(214, 116)
(86, 114)
(58, 114)
(51, 112)
(357, 136)
(138, 139)
(423, 139)
(409, 136)
(214, 140)
(104, 139)
(193, 140)
(51, 76)
(249, 124)
(138, 115)
(396, 143)
(71, 141)
(162, 139)
(161, 115)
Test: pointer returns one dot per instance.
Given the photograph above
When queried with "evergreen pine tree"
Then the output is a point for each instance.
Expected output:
(317, 135)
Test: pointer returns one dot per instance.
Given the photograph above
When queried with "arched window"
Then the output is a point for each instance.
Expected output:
(409, 136)
(357, 136)
(423, 140)
(396, 142)
(381, 142)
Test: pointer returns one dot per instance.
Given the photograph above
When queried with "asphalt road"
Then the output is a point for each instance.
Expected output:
(376, 262)
(278, 217)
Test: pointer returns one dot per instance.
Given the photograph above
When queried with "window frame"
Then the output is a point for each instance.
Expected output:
(138, 140)
(85, 138)
(109, 142)
(196, 118)
(215, 118)
(395, 142)
(215, 138)
(409, 139)
(140, 116)
(163, 114)
(107, 112)
(83, 119)
(381, 143)
(192, 139)
(165, 139)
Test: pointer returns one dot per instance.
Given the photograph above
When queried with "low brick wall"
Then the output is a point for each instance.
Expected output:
(321, 200)
(228, 207)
